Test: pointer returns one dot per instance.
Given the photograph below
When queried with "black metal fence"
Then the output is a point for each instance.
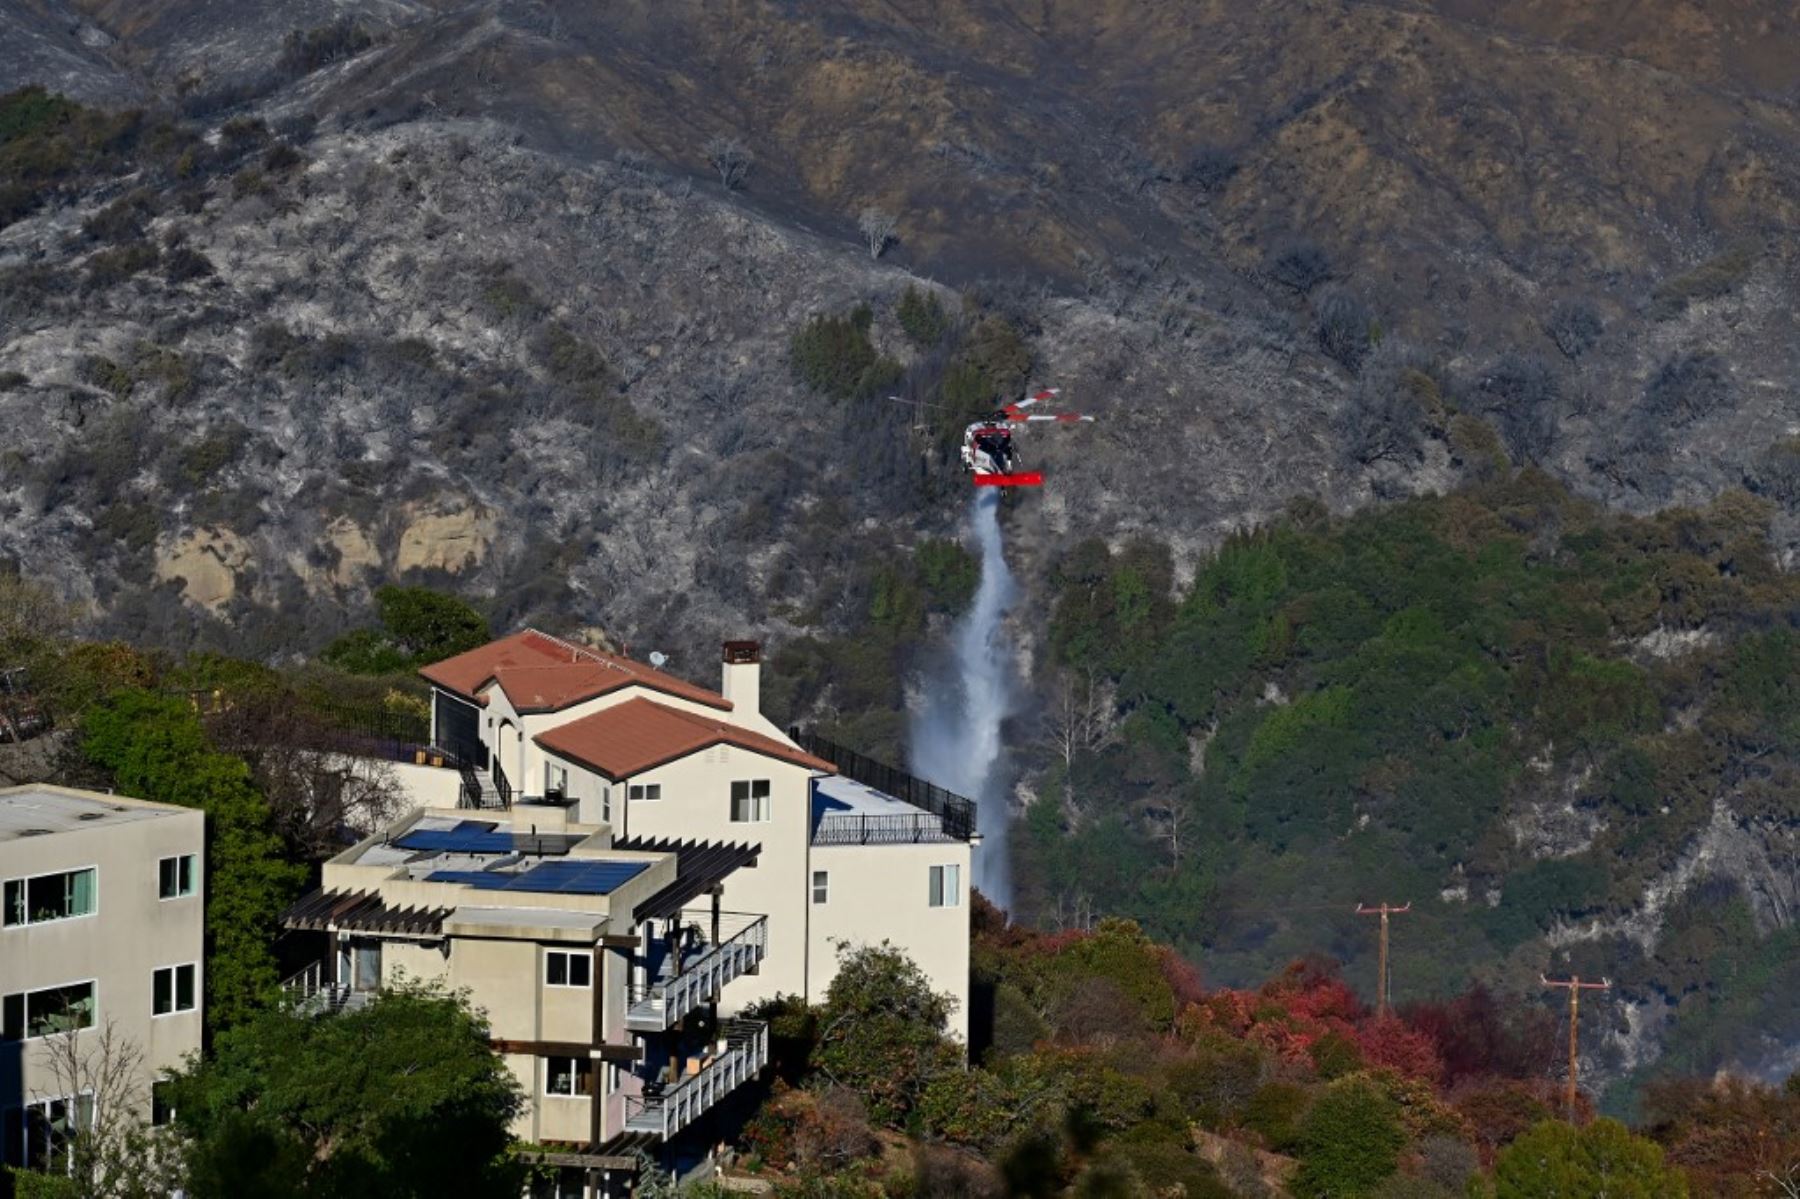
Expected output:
(955, 816)
(849, 828)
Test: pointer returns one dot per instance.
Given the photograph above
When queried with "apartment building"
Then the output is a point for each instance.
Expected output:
(598, 960)
(101, 927)
(850, 852)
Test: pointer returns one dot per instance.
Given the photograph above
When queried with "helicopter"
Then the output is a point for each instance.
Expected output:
(988, 452)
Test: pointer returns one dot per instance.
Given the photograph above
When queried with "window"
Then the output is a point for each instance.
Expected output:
(161, 1110)
(172, 990)
(945, 890)
(612, 1078)
(750, 802)
(556, 779)
(569, 1076)
(568, 968)
(645, 791)
(821, 885)
(60, 896)
(38, 1135)
(175, 877)
(605, 804)
(26, 1014)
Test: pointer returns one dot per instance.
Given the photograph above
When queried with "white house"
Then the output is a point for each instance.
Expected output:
(849, 851)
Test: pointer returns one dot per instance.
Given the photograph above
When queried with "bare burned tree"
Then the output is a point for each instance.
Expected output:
(319, 800)
(877, 225)
(113, 1153)
(1079, 720)
(1783, 1180)
(731, 158)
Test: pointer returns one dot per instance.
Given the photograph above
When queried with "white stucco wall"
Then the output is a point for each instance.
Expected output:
(879, 893)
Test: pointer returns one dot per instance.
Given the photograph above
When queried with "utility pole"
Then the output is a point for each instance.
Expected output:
(1381, 981)
(1575, 987)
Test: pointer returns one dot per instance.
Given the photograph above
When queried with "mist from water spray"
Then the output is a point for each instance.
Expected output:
(955, 740)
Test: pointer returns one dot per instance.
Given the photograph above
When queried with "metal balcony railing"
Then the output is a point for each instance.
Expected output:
(313, 992)
(704, 970)
(667, 1112)
(953, 815)
(842, 828)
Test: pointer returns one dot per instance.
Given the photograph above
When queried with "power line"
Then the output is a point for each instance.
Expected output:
(1575, 988)
(1381, 982)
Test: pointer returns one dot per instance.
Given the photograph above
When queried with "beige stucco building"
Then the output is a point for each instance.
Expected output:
(851, 852)
(598, 963)
(725, 863)
(101, 930)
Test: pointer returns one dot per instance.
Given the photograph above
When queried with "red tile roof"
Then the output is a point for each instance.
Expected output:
(540, 673)
(640, 734)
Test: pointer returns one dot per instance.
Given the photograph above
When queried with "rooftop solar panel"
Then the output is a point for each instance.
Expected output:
(558, 878)
(472, 877)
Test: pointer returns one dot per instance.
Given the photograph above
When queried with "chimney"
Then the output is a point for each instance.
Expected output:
(743, 677)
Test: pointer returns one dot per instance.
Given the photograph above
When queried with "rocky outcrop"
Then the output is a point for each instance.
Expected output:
(449, 538)
(206, 562)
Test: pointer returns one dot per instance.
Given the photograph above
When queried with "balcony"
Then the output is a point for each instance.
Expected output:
(692, 974)
(312, 993)
(871, 803)
(743, 1050)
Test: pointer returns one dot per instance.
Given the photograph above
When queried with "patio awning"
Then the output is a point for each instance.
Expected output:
(359, 911)
(699, 867)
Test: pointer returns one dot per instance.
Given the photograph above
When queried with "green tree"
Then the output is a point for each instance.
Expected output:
(881, 1031)
(922, 317)
(430, 625)
(1602, 1161)
(403, 1097)
(833, 356)
(155, 748)
(1350, 1140)
(418, 625)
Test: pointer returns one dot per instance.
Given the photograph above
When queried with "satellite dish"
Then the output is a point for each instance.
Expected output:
(657, 659)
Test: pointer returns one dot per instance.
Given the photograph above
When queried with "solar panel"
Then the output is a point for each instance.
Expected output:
(557, 878)
(457, 840)
(472, 877)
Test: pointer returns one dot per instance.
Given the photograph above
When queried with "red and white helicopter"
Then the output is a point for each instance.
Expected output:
(987, 445)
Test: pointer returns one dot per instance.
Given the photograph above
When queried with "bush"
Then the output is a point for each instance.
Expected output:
(1300, 265)
(1521, 393)
(281, 158)
(1344, 326)
(1395, 402)
(1274, 1112)
(1574, 325)
(123, 220)
(570, 360)
(948, 572)
(1686, 388)
(1602, 1159)
(922, 318)
(109, 267)
(506, 297)
(202, 461)
(305, 51)
(1711, 279)
(183, 264)
(1209, 168)
(1775, 474)
(1350, 1141)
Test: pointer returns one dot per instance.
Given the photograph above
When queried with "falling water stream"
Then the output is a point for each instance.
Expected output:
(955, 739)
